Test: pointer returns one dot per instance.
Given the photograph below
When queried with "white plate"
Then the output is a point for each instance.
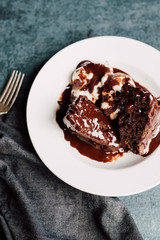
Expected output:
(129, 174)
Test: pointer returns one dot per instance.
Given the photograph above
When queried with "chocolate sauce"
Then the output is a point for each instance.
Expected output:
(98, 71)
(154, 144)
(86, 148)
(116, 70)
(64, 102)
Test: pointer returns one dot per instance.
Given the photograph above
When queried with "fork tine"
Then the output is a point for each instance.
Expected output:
(11, 91)
(8, 85)
(9, 88)
(15, 91)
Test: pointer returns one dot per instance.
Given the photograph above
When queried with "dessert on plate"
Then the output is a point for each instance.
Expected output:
(104, 112)
(88, 122)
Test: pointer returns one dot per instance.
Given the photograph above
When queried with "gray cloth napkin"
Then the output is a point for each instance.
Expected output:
(36, 205)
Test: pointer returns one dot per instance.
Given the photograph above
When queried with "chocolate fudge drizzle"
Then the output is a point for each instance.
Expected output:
(85, 148)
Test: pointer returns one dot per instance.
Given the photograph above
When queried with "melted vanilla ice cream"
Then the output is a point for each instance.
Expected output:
(84, 80)
(92, 79)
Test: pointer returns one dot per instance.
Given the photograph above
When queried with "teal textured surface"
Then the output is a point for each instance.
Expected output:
(33, 31)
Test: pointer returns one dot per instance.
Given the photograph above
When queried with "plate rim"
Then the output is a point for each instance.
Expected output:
(28, 106)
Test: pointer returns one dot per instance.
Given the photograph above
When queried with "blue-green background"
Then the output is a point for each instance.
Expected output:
(32, 31)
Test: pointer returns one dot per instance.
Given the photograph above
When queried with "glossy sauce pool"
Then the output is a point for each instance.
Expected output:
(83, 147)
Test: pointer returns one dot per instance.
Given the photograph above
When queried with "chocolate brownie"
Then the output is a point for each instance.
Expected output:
(108, 109)
(139, 118)
(87, 121)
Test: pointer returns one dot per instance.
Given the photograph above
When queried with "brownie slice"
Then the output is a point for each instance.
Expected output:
(139, 118)
(87, 121)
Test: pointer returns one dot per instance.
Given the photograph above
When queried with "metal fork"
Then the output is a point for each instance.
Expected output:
(10, 92)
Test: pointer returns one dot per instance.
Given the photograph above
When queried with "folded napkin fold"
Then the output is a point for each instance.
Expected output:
(36, 205)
